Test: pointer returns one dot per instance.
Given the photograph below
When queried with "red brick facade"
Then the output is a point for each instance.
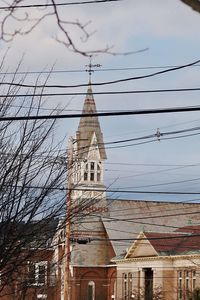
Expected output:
(103, 278)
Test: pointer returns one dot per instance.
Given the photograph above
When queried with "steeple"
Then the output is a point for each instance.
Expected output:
(89, 130)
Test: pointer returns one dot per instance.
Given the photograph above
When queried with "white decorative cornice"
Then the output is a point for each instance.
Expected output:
(153, 258)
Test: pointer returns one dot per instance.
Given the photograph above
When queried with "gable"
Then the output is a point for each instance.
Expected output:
(94, 153)
(141, 248)
(160, 219)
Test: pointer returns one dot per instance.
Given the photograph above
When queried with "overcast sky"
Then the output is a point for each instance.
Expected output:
(169, 30)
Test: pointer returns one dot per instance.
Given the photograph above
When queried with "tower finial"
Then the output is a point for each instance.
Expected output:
(90, 67)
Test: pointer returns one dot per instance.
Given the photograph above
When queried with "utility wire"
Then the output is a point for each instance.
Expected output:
(106, 82)
(105, 114)
(12, 7)
(170, 236)
(97, 70)
(116, 190)
(175, 90)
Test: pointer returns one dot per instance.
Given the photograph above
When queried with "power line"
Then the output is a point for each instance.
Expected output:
(151, 165)
(156, 135)
(170, 236)
(105, 114)
(195, 89)
(11, 7)
(116, 190)
(106, 82)
(97, 70)
(157, 216)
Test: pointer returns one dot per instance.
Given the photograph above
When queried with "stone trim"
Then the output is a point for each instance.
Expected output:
(174, 257)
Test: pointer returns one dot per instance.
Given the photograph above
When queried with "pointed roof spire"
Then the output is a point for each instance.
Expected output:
(88, 126)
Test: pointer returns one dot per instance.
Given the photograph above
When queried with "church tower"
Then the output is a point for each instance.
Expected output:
(91, 250)
(89, 154)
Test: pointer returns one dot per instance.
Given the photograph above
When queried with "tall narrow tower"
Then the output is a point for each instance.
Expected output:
(89, 155)
(90, 249)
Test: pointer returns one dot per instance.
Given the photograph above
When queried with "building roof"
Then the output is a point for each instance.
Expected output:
(129, 217)
(34, 234)
(88, 126)
(189, 229)
(174, 243)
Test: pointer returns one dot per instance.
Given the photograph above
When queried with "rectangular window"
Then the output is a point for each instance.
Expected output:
(193, 280)
(92, 176)
(85, 176)
(98, 177)
(187, 282)
(124, 287)
(31, 273)
(41, 274)
(37, 273)
(180, 286)
(130, 285)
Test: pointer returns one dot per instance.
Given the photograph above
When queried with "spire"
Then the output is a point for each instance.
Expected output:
(88, 126)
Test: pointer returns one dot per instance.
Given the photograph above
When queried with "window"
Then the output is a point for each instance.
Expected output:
(37, 273)
(98, 173)
(92, 172)
(41, 274)
(124, 287)
(130, 284)
(41, 296)
(86, 172)
(187, 282)
(31, 273)
(91, 291)
(180, 286)
(193, 280)
(91, 176)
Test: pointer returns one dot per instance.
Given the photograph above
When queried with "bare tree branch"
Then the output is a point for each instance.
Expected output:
(194, 4)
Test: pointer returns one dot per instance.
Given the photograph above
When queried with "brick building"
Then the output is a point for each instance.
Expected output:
(30, 276)
(102, 228)
(160, 266)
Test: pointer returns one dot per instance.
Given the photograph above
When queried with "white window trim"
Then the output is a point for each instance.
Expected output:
(36, 277)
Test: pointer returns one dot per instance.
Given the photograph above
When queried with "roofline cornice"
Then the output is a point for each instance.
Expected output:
(153, 258)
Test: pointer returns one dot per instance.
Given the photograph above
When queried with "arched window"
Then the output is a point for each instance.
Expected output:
(91, 290)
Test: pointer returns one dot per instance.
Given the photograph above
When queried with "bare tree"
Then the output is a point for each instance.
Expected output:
(194, 295)
(156, 294)
(194, 4)
(32, 184)
(34, 172)
(19, 18)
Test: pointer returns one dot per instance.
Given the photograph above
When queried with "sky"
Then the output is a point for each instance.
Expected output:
(168, 32)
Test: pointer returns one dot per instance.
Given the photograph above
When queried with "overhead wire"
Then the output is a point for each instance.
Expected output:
(44, 94)
(105, 82)
(17, 6)
(111, 190)
(162, 184)
(105, 114)
(97, 70)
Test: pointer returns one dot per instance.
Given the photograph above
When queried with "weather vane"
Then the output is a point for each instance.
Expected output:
(90, 67)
